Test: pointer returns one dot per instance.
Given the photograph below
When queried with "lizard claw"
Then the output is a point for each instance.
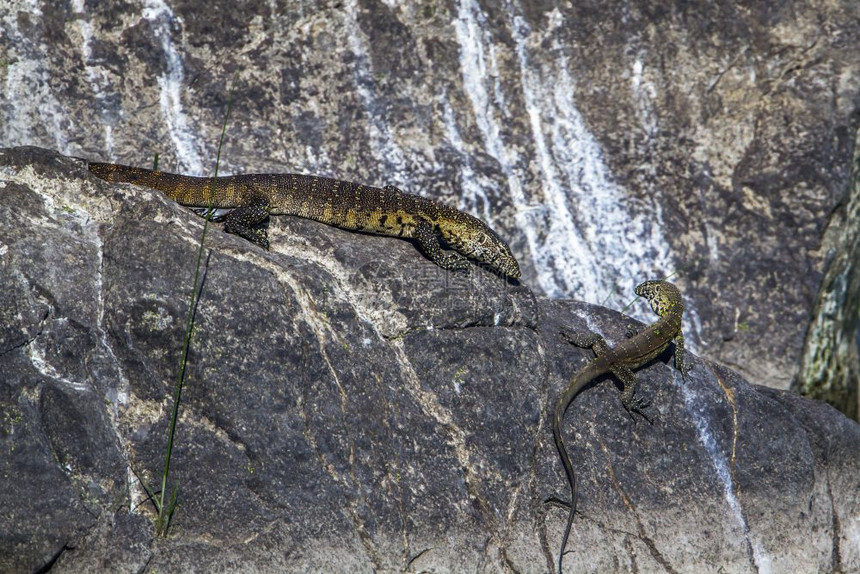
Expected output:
(638, 405)
(555, 501)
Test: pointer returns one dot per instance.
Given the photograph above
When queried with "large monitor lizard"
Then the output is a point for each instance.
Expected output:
(632, 353)
(351, 206)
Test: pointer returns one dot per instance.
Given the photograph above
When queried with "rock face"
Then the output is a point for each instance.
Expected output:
(349, 406)
(608, 141)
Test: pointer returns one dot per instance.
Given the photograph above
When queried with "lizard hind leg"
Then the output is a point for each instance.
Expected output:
(249, 222)
(632, 402)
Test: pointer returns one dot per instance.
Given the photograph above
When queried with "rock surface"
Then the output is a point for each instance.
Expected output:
(350, 407)
(606, 140)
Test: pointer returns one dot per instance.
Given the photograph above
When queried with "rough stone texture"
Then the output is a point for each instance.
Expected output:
(830, 369)
(607, 140)
(744, 119)
(351, 407)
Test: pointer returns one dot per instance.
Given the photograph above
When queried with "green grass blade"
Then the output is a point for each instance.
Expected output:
(165, 511)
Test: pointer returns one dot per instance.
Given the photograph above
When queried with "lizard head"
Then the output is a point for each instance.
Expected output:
(473, 238)
(662, 295)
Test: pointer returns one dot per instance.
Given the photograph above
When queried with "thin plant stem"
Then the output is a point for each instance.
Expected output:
(165, 513)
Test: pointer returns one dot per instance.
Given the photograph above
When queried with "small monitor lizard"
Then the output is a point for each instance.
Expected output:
(351, 206)
(632, 353)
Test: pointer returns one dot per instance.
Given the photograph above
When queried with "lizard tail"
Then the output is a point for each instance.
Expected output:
(184, 189)
(117, 173)
(576, 385)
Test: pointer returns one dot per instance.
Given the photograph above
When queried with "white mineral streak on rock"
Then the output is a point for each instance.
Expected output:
(383, 145)
(96, 75)
(644, 96)
(32, 114)
(586, 236)
(558, 134)
(480, 73)
(473, 195)
(596, 238)
(170, 84)
(693, 402)
(37, 353)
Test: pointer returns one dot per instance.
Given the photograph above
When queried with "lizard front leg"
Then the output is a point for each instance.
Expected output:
(245, 222)
(428, 242)
(587, 340)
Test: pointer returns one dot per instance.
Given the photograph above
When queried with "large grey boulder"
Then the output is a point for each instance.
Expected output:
(349, 406)
(606, 140)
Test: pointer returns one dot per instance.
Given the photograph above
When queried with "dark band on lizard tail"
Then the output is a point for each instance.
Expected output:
(632, 353)
(344, 204)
